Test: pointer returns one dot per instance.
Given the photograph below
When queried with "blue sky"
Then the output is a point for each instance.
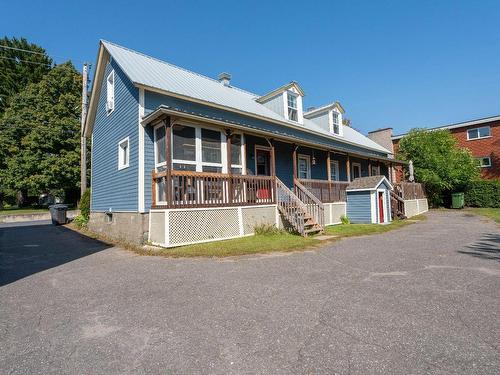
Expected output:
(390, 63)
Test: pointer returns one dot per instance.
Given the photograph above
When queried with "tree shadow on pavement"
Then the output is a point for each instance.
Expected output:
(28, 249)
(487, 247)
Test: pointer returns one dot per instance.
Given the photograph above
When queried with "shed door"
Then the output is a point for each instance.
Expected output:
(381, 207)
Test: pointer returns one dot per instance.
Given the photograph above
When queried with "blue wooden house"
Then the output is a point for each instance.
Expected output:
(180, 158)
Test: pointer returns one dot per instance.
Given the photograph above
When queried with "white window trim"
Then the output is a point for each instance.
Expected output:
(478, 136)
(157, 165)
(308, 158)
(481, 159)
(331, 123)
(337, 168)
(242, 153)
(126, 165)
(384, 206)
(353, 165)
(110, 111)
(300, 111)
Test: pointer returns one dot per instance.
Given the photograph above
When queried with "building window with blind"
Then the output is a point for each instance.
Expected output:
(335, 122)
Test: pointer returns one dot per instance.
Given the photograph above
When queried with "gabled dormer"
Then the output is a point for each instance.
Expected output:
(285, 101)
(329, 117)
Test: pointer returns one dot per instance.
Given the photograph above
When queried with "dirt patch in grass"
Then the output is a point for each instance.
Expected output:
(492, 213)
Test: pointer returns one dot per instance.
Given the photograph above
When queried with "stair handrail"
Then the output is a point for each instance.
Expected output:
(397, 204)
(314, 206)
(291, 207)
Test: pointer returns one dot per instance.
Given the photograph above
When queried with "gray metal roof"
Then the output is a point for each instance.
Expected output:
(148, 71)
(366, 183)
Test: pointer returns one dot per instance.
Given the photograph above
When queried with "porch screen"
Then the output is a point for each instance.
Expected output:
(184, 147)
(211, 151)
(160, 145)
(236, 163)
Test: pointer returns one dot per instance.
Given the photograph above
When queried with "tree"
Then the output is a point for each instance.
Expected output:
(19, 68)
(40, 135)
(438, 162)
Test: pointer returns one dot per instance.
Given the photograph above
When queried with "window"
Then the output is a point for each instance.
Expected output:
(211, 155)
(304, 167)
(484, 162)
(478, 133)
(123, 153)
(292, 106)
(262, 162)
(110, 92)
(160, 150)
(375, 170)
(334, 170)
(336, 122)
(356, 170)
(184, 147)
(236, 154)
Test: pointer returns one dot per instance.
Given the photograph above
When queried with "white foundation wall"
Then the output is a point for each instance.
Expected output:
(415, 207)
(333, 212)
(177, 227)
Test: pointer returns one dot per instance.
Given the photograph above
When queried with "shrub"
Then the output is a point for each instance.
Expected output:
(85, 205)
(267, 229)
(80, 221)
(483, 193)
(344, 219)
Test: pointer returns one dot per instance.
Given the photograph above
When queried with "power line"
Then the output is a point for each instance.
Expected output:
(25, 61)
(38, 53)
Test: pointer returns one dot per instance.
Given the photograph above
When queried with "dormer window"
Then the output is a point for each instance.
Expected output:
(292, 106)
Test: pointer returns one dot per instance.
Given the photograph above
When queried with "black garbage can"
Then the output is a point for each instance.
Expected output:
(58, 213)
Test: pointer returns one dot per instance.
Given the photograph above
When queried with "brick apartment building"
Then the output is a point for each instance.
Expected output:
(481, 137)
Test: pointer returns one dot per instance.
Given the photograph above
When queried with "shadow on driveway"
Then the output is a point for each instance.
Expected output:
(487, 247)
(28, 248)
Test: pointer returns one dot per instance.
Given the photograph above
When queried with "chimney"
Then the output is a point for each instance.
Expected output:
(224, 78)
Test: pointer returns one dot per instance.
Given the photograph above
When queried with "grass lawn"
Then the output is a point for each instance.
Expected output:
(22, 211)
(279, 241)
(493, 213)
(351, 230)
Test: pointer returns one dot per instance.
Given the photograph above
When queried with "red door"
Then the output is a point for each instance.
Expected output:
(381, 207)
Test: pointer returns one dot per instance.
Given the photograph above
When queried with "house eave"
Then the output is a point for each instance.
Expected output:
(279, 90)
(164, 110)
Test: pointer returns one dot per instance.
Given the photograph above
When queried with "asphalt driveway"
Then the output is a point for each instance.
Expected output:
(421, 300)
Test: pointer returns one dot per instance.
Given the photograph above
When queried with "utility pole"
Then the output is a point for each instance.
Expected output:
(83, 139)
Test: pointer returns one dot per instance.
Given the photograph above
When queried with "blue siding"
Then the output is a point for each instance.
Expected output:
(359, 206)
(342, 159)
(154, 100)
(284, 162)
(149, 165)
(112, 188)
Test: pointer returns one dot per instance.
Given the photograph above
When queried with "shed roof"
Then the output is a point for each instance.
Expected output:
(368, 183)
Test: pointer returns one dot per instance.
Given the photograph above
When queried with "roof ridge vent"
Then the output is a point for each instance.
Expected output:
(224, 78)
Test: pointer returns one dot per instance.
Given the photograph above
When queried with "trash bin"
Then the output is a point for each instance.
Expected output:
(457, 200)
(58, 213)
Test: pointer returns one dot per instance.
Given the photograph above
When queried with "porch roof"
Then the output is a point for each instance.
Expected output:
(165, 110)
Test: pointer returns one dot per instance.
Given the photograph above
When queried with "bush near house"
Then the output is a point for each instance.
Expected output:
(439, 163)
(483, 193)
(85, 205)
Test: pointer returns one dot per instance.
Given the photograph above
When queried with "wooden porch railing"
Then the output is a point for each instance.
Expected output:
(314, 207)
(397, 206)
(189, 189)
(410, 190)
(326, 191)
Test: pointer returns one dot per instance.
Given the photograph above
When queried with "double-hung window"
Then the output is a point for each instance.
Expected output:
(292, 106)
(110, 92)
(335, 122)
(484, 162)
(478, 133)
(123, 153)
(334, 170)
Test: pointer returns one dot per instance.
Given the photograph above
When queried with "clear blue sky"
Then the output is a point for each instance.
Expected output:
(390, 63)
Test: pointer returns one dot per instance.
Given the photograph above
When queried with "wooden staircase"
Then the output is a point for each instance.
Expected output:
(397, 206)
(303, 218)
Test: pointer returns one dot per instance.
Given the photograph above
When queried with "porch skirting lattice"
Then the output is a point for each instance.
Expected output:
(176, 227)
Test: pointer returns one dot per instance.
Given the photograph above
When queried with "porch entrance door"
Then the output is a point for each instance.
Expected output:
(304, 167)
(381, 207)
(263, 162)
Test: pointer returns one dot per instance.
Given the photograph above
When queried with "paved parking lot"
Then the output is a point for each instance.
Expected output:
(421, 300)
